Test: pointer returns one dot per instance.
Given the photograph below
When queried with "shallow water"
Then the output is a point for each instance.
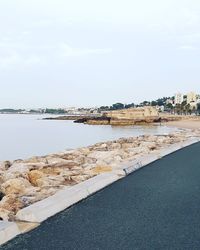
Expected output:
(23, 136)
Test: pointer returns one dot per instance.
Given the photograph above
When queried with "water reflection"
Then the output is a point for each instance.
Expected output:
(23, 136)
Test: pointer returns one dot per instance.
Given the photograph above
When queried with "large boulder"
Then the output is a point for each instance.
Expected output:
(99, 169)
(34, 176)
(11, 203)
(50, 181)
(15, 186)
(5, 165)
(79, 178)
(36, 159)
(17, 170)
(4, 214)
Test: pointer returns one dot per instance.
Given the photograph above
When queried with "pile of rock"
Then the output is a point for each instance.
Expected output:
(23, 182)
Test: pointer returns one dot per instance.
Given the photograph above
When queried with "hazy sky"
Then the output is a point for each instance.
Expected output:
(95, 52)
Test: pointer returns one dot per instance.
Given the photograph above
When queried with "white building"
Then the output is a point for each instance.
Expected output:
(178, 98)
(191, 98)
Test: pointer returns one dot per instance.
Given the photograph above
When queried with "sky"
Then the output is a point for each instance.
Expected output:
(61, 53)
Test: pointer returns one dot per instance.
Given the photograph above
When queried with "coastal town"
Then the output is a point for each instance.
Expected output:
(179, 104)
(178, 107)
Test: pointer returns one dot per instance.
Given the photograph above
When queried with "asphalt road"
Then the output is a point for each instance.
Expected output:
(157, 207)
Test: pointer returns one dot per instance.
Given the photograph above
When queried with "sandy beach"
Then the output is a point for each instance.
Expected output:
(188, 124)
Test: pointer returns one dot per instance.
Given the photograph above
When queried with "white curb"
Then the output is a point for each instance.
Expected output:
(65, 198)
(8, 230)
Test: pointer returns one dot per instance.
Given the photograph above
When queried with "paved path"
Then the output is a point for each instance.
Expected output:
(157, 207)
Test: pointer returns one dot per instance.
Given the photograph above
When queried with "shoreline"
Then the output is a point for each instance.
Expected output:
(166, 119)
(25, 184)
(184, 124)
(114, 163)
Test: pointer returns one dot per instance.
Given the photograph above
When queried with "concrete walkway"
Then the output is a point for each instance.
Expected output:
(157, 207)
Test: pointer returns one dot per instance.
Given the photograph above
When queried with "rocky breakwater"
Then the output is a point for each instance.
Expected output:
(24, 182)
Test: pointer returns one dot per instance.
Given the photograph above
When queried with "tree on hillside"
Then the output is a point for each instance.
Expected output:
(145, 103)
(54, 111)
(178, 109)
(117, 106)
(153, 103)
(198, 108)
(160, 102)
(169, 107)
(183, 107)
(104, 108)
(131, 105)
(188, 109)
(185, 98)
(194, 109)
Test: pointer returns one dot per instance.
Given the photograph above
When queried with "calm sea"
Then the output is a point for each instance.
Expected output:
(24, 136)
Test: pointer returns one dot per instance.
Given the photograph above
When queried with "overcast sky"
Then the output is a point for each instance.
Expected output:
(57, 53)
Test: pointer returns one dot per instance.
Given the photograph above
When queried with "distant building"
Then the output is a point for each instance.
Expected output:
(191, 98)
(178, 98)
(160, 108)
(169, 101)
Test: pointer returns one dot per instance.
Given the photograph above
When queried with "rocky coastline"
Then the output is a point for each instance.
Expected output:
(125, 117)
(103, 120)
(116, 122)
(24, 182)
